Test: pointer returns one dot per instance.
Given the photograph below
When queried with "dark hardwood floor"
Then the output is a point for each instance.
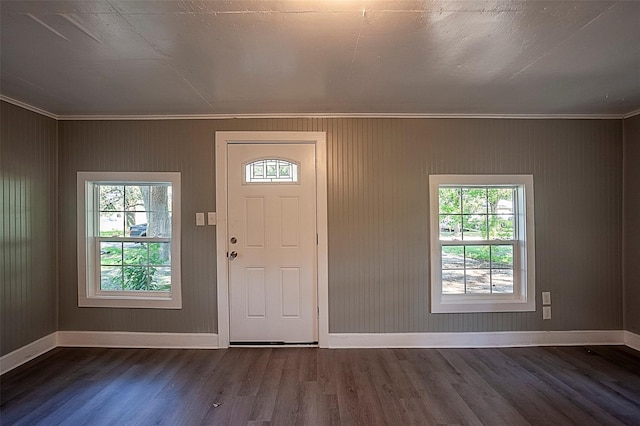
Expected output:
(281, 386)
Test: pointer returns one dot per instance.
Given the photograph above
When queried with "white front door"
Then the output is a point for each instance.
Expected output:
(271, 219)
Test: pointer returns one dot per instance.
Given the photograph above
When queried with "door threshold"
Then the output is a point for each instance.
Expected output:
(277, 344)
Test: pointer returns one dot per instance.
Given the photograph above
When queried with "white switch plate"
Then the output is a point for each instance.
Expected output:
(211, 218)
(546, 297)
(546, 312)
(199, 219)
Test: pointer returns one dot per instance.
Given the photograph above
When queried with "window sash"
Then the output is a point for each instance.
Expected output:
(133, 239)
(478, 242)
(99, 265)
(515, 268)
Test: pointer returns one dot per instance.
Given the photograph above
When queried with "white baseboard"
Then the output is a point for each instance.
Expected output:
(106, 339)
(476, 340)
(27, 353)
(118, 339)
(632, 340)
(122, 339)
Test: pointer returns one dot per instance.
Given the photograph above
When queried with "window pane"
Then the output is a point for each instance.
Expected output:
(257, 170)
(501, 227)
(453, 257)
(159, 224)
(449, 200)
(111, 198)
(160, 254)
(502, 280)
(110, 278)
(160, 279)
(271, 169)
(474, 200)
(502, 257)
(110, 253)
(452, 282)
(158, 199)
(450, 227)
(136, 200)
(136, 277)
(477, 257)
(284, 170)
(135, 254)
(111, 224)
(474, 227)
(478, 281)
(136, 197)
(501, 201)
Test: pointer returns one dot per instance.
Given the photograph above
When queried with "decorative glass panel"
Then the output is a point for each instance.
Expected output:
(271, 171)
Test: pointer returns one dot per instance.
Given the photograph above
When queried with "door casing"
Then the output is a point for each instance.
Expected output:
(223, 140)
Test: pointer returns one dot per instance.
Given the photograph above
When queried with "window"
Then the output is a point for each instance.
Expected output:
(482, 243)
(129, 240)
(270, 170)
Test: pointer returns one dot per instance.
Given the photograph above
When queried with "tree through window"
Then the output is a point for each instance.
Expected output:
(130, 253)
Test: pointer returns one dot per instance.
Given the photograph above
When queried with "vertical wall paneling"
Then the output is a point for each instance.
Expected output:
(28, 227)
(631, 155)
(378, 215)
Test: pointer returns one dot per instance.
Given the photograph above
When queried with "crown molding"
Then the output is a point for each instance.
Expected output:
(341, 115)
(151, 117)
(631, 114)
(29, 107)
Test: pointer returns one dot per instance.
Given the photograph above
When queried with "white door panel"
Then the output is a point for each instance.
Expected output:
(272, 279)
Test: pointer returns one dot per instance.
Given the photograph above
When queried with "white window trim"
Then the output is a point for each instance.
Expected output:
(523, 299)
(89, 293)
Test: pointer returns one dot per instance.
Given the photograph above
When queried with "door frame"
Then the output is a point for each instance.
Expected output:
(319, 140)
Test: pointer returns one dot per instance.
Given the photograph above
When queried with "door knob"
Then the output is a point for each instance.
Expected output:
(233, 255)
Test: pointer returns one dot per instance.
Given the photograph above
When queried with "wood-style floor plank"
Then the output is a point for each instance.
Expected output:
(307, 386)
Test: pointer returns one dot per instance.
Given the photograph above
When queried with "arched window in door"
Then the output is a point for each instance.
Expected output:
(271, 170)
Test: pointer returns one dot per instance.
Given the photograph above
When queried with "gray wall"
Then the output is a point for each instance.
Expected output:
(378, 214)
(631, 225)
(28, 234)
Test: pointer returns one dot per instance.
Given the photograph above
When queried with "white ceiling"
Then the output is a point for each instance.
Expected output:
(322, 57)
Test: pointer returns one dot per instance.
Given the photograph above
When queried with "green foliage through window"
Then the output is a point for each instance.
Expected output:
(135, 212)
(135, 266)
(477, 231)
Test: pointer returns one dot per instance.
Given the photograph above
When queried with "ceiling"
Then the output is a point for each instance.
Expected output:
(326, 57)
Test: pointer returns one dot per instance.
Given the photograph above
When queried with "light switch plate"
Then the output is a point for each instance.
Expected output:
(546, 297)
(211, 218)
(199, 219)
(546, 312)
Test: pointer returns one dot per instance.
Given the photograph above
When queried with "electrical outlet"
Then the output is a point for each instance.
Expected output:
(546, 297)
(199, 219)
(546, 312)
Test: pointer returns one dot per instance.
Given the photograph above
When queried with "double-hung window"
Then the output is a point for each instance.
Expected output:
(129, 240)
(482, 243)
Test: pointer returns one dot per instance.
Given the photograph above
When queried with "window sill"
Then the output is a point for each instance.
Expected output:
(129, 302)
(451, 305)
